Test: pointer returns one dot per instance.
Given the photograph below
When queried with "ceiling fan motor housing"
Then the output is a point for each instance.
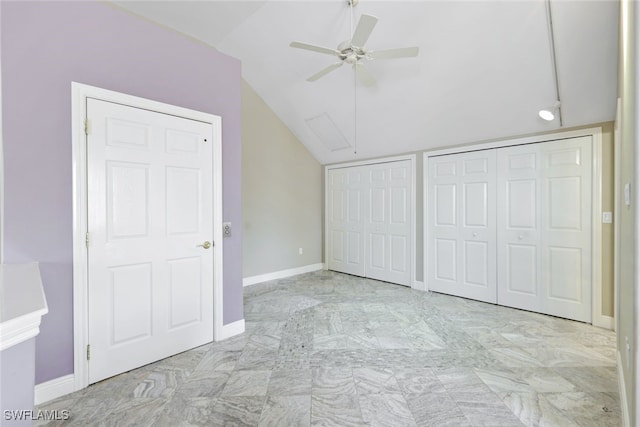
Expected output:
(349, 53)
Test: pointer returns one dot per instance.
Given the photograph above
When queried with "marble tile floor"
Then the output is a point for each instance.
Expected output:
(328, 349)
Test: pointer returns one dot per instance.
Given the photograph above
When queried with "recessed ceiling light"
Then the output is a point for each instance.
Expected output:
(549, 114)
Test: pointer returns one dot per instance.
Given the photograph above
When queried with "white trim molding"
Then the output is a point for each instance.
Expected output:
(606, 322)
(624, 407)
(282, 274)
(79, 94)
(22, 303)
(617, 186)
(53, 389)
(19, 330)
(419, 286)
(1, 162)
(597, 319)
(231, 329)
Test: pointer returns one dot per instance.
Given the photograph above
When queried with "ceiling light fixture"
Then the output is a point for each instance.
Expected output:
(549, 114)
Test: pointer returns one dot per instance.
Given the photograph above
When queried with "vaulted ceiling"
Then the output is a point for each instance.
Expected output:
(483, 71)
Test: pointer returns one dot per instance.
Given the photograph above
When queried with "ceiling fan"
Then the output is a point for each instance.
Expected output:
(353, 51)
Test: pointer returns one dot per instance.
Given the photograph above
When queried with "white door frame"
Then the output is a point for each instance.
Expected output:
(597, 319)
(1, 165)
(79, 94)
(410, 157)
(617, 204)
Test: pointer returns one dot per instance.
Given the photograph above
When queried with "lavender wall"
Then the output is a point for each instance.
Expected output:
(46, 46)
(16, 387)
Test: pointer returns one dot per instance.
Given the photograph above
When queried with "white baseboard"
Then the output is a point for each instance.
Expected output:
(606, 322)
(248, 281)
(623, 393)
(53, 389)
(419, 286)
(58, 387)
(231, 329)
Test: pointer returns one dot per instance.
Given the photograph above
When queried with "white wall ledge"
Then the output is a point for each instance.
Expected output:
(22, 303)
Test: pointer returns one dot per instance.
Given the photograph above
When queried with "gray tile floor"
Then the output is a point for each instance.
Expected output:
(327, 349)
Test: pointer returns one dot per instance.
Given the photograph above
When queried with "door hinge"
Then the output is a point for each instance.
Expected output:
(88, 351)
(87, 127)
(86, 239)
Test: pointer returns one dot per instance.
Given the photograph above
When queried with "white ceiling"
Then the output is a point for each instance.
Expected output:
(483, 72)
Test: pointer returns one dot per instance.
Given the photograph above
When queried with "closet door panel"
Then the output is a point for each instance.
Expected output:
(388, 227)
(337, 212)
(346, 228)
(518, 219)
(400, 222)
(461, 225)
(566, 258)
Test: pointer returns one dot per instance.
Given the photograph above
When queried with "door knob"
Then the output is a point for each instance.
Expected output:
(205, 245)
(520, 237)
(475, 234)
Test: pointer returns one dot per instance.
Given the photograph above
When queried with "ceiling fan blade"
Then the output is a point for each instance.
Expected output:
(314, 48)
(403, 52)
(324, 71)
(364, 75)
(363, 30)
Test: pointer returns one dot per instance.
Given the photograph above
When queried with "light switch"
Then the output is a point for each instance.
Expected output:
(627, 194)
(226, 229)
(607, 217)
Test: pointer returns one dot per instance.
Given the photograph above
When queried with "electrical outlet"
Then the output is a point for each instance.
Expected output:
(300, 251)
(226, 229)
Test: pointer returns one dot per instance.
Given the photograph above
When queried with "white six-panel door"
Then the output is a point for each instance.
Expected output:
(369, 220)
(150, 201)
(461, 227)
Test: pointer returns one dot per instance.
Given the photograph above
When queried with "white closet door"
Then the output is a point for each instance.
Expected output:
(388, 222)
(544, 235)
(461, 225)
(346, 222)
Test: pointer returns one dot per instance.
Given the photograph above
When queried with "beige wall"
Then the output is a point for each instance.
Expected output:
(608, 294)
(281, 193)
(626, 327)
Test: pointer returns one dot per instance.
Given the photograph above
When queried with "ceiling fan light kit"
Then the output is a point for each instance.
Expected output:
(353, 51)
